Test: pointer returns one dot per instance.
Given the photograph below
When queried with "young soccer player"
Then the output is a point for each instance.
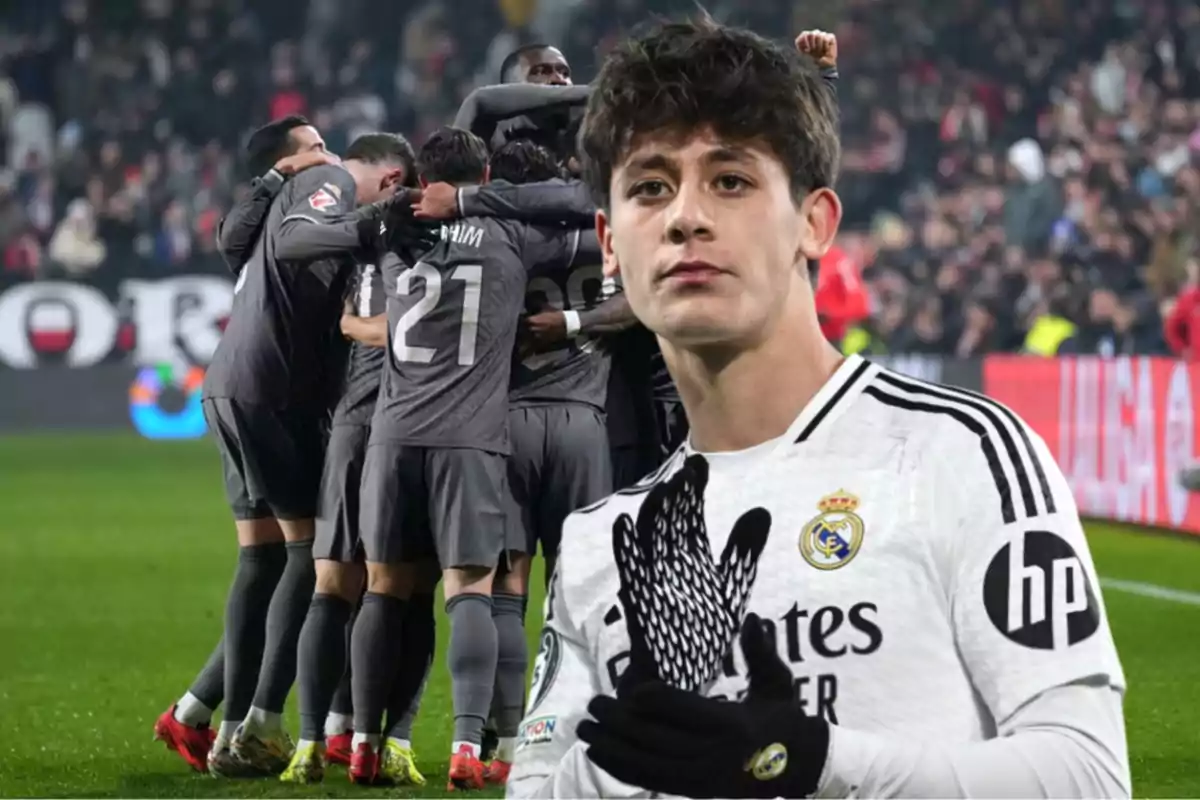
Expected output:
(845, 582)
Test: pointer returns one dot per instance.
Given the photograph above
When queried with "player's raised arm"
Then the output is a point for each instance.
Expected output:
(546, 202)
(239, 230)
(550, 760)
(822, 48)
(320, 222)
(488, 105)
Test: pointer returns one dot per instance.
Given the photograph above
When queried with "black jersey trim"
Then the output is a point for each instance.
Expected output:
(1003, 488)
(996, 415)
(859, 371)
(1022, 431)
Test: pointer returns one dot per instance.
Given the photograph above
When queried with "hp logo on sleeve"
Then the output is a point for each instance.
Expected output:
(1037, 593)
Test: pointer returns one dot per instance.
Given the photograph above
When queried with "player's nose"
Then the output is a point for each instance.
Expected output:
(688, 217)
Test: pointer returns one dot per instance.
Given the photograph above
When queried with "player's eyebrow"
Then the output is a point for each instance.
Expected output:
(652, 162)
(729, 155)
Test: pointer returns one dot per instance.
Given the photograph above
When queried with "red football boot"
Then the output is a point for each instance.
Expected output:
(337, 748)
(466, 770)
(192, 744)
(496, 772)
(364, 765)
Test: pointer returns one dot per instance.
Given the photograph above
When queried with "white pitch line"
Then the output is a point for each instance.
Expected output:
(1151, 590)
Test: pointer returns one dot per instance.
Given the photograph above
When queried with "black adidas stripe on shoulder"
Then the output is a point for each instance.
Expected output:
(997, 414)
(833, 401)
(987, 419)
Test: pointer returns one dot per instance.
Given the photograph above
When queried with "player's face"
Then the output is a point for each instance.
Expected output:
(548, 67)
(306, 138)
(710, 245)
(375, 182)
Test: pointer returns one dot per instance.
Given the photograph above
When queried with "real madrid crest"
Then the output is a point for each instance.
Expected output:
(832, 538)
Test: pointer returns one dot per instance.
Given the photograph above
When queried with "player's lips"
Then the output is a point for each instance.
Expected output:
(692, 272)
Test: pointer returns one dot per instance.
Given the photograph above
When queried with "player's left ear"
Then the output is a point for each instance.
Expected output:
(821, 213)
(392, 178)
(604, 234)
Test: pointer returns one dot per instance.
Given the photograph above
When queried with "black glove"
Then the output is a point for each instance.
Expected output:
(683, 607)
(667, 740)
(391, 225)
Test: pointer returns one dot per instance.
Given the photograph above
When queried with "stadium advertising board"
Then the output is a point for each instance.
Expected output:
(177, 321)
(74, 356)
(1120, 428)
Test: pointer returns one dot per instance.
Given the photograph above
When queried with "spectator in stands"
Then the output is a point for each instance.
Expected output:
(75, 246)
(1033, 202)
(1051, 324)
(173, 244)
(1007, 153)
(1182, 327)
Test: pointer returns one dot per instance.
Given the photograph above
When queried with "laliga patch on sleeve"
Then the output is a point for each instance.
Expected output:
(538, 730)
(545, 667)
(322, 200)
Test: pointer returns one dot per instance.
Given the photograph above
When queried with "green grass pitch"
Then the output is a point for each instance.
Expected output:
(115, 554)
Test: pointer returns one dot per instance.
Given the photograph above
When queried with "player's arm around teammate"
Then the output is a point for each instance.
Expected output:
(239, 230)
(545, 202)
(321, 227)
(487, 106)
(371, 331)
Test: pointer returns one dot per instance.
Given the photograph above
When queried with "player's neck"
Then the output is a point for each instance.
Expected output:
(739, 401)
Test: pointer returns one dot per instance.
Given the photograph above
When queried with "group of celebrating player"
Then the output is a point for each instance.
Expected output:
(477, 410)
(903, 602)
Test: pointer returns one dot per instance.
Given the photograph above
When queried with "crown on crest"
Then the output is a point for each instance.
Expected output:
(840, 501)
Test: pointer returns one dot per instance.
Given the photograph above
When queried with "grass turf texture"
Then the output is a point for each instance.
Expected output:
(115, 555)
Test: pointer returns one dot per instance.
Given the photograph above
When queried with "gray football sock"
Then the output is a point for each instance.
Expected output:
(471, 657)
(285, 618)
(258, 571)
(416, 658)
(321, 661)
(209, 686)
(374, 649)
(512, 659)
(343, 700)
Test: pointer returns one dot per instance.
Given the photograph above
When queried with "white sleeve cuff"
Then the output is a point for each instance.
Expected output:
(572, 319)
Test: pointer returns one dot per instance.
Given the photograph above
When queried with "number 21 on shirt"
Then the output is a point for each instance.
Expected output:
(472, 276)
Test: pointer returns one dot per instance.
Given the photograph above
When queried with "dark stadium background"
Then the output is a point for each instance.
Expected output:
(120, 128)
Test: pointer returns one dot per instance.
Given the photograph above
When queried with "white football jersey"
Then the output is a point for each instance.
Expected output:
(915, 547)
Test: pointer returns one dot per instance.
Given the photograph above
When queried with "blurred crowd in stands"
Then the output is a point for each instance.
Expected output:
(1018, 174)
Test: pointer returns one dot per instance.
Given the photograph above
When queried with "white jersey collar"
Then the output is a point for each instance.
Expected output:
(826, 405)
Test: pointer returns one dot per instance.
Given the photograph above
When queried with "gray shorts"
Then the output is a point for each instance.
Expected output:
(337, 536)
(271, 458)
(422, 502)
(560, 462)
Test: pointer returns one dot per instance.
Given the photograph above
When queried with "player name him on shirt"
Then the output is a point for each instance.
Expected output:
(462, 233)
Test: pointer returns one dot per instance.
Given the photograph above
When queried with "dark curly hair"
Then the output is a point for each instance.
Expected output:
(681, 77)
(523, 161)
(452, 155)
